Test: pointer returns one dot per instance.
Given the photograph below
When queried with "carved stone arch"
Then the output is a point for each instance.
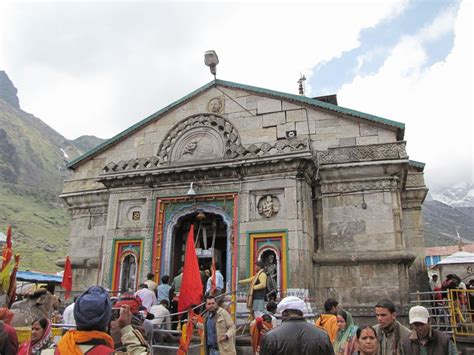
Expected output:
(199, 137)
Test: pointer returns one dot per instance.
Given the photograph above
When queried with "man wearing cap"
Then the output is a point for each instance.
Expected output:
(92, 312)
(295, 335)
(424, 339)
(257, 291)
(389, 331)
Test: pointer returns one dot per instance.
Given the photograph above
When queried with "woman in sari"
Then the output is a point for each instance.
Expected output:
(346, 341)
(40, 338)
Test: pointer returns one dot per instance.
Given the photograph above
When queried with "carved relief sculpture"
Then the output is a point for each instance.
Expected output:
(268, 206)
(215, 105)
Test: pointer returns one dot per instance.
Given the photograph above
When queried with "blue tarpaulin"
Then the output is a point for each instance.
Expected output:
(31, 276)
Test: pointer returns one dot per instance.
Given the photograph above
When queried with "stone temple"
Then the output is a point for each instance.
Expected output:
(326, 196)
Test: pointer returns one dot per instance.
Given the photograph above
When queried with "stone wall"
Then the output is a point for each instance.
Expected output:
(348, 201)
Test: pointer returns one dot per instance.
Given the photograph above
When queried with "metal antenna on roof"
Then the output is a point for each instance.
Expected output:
(300, 82)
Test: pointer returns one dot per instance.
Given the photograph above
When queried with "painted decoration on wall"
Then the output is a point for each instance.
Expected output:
(126, 264)
(270, 247)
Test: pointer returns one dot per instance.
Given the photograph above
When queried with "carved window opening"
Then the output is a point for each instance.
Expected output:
(128, 272)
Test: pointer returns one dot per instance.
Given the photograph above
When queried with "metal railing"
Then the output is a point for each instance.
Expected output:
(450, 311)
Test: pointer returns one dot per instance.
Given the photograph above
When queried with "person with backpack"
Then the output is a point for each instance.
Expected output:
(257, 291)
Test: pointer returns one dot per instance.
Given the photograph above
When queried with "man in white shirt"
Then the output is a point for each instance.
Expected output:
(150, 282)
(219, 282)
(148, 297)
(68, 314)
(162, 315)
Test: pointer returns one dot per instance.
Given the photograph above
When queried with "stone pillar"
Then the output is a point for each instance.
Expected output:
(87, 237)
(412, 197)
(362, 256)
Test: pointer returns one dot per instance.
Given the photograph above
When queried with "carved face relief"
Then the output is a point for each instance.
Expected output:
(268, 206)
(215, 105)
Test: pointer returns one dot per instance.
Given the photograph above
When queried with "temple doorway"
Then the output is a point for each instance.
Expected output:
(271, 261)
(210, 239)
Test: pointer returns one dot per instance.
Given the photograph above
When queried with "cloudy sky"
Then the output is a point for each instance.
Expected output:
(99, 67)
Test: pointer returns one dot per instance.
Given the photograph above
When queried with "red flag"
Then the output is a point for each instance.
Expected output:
(67, 278)
(7, 248)
(191, 286)
(187, 333)
(213, 277)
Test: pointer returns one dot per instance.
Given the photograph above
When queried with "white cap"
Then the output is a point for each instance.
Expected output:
(418, 314)
(291, 302)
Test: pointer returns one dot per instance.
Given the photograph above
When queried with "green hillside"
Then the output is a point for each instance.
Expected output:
(32, 169)
(39, 227)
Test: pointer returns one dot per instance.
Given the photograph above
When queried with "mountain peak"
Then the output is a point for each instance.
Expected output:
(8, 91)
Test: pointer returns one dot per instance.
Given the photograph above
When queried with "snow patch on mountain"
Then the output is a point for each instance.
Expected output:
(459, 195)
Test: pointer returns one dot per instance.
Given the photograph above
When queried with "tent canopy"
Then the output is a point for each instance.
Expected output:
(461, 257)
(31, 276)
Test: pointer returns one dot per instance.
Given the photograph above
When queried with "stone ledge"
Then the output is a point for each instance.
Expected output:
(375, 257)
(80, 262)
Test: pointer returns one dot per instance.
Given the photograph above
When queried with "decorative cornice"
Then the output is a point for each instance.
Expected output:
(412, 198)
(356, 258)
(234, 152)
(359, 185)
(415, 179)
(362, 153)
(299, 166)
(87, 203)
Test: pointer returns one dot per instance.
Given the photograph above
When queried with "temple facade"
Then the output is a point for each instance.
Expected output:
(326, 196)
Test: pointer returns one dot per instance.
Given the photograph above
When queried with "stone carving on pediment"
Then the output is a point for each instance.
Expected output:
(215, 105)
(268, 206)
(201, 143)
(200, 137)
(354, 186)
(385, 151)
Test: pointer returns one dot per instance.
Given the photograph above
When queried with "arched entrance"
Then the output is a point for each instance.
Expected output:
(210, 240)
(271, 260)
(128, 273)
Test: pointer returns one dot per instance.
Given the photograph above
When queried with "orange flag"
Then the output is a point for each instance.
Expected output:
(67, 278)
(7, 248)
(191, 286)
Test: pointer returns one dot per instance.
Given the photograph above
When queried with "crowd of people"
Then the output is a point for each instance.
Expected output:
(94, 331)
(335, 332)
(103, 325)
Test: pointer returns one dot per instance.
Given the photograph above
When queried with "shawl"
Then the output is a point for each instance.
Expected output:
(345, 339)
(68, 345)
(257, 329)
(394, 328)
(252, 284)
(29, 348)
